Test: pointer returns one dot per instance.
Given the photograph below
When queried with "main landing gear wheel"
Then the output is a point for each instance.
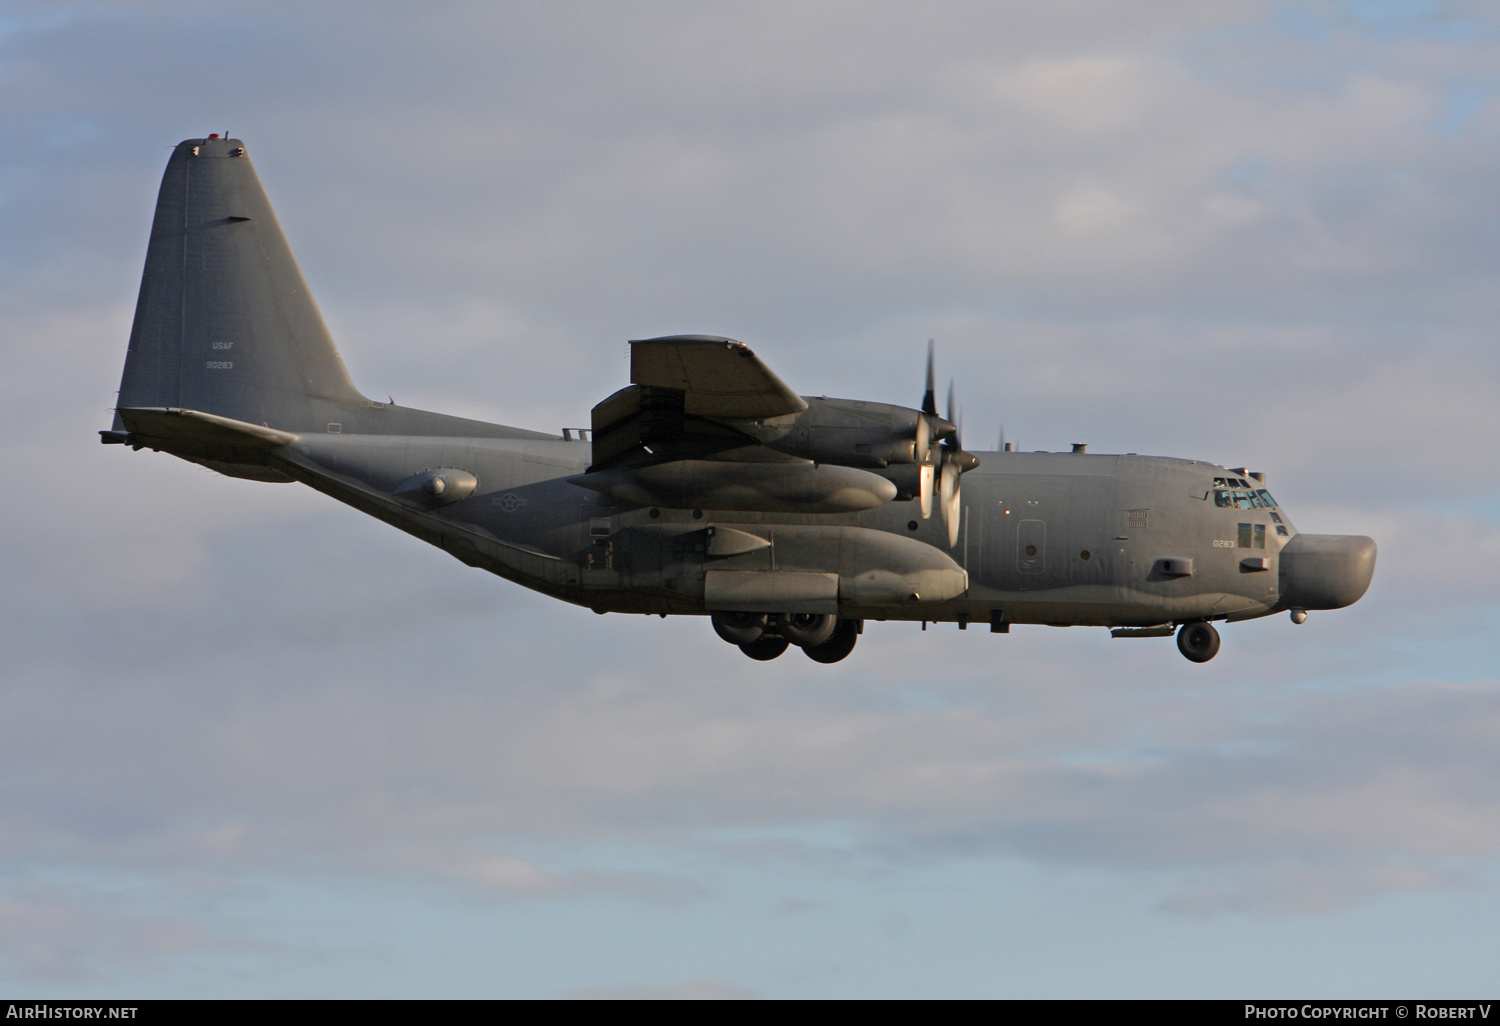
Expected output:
(765, 648)
(739, 628)
(806, 630)
(838, 645)
(1198, 641)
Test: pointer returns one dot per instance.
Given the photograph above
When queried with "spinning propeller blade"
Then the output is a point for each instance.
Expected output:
(948, 484)
(938, 447)
(929, 397)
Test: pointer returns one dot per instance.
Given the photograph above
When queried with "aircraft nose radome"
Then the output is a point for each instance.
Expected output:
(1326, 571)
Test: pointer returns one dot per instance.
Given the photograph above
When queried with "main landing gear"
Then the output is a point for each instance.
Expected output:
(1198, 641)
(823, 637)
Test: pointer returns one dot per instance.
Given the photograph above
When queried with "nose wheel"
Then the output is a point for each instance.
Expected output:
(1198, 641)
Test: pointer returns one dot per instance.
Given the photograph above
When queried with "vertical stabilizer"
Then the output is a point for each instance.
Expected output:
(224, 323)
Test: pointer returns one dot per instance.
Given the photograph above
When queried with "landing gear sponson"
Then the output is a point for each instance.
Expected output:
(823, 637)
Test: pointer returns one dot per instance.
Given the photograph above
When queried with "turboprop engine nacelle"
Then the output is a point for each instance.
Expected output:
(788, 487)
(850, 433)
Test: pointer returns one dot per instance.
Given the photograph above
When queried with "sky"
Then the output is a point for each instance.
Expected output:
(254, 744)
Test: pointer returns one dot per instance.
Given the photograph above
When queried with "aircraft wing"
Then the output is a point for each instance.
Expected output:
(718, 377)
(682, 386)
(705, 425)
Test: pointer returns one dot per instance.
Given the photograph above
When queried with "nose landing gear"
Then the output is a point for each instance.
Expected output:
(1198, 641)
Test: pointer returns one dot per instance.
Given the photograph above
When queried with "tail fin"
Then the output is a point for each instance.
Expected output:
(226, 327)
(225, 324)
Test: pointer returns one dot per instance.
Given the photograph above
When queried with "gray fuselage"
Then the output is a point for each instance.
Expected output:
(707, 486)
(1061, 538)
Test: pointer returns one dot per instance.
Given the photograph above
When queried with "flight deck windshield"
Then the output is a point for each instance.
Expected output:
(1235, 498)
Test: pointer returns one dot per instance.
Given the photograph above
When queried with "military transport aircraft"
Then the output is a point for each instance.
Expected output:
(706, 485)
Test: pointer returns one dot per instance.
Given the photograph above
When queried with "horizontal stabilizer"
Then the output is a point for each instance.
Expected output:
(232, 447)
(170, 425)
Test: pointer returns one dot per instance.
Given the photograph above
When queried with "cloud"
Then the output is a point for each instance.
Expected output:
(1079, 758)
(1084, 95)
(48, 935)
(1290, 890)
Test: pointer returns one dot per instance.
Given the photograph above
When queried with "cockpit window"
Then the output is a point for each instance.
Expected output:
(1219, 482)
(1257, 498)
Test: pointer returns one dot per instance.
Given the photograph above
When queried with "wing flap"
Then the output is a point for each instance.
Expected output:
(640, 424)
(718, 377)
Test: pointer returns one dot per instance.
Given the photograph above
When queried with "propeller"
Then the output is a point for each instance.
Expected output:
(938, 441)
(952, 470)
(923, 448)
(929, 397)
